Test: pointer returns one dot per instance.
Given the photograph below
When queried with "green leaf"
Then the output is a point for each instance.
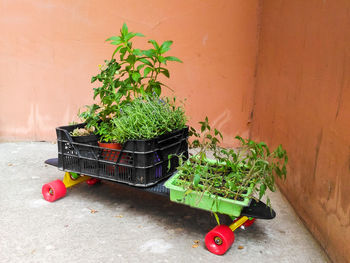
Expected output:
(113, 39)
(215, 141)
(143, 94)
(96, 92)
(196, 179)
(218, 133)
(165, 72)
(149, 53)
(278, 172)
(137, 52)
(129, 36)
(147, 71)
(139, 67)
(169, 163)
(116, 50)
(139, 34)
(192, 129)
(116, 43)
(124, 30)
(135, 76)
(253, 152)
(262, 161)
(208, 136)
(240, 139)
(165, 46)
(157, 89)
(262, 190)
(145, 61)
(131, 59)
(161, 59)
(284, 171)
(154, 43)
(170, 58)
(265, 147)
(195, 143)
(122, 53)
(132, 35)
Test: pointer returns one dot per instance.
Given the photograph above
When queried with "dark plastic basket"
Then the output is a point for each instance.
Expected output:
(140, 163)
(84, 141)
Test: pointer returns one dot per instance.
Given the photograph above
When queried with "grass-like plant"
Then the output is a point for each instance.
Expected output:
(233, 171)
(147, 117)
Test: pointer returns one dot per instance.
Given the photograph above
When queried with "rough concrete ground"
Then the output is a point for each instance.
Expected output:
(128, 225)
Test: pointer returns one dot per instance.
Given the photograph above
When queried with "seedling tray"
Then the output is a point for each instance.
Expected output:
(205, 200)
(140, 163)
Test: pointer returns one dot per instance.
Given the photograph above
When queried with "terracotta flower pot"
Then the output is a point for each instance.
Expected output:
(113, 155)
(110, 155)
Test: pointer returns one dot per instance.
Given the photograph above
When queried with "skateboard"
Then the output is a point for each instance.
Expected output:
(217, 241)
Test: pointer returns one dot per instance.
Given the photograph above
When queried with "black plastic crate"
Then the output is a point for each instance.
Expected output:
(140, 163)
(83, 142)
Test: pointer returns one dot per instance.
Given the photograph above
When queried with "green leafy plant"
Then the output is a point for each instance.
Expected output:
(147, 117)
(138, 70)
(232, 173)
(130, 73)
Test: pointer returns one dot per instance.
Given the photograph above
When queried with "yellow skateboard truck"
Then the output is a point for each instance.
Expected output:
(57, 189)
(71, 179)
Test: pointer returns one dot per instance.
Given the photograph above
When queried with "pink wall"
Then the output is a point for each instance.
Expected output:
(302, 101)
(50, 49)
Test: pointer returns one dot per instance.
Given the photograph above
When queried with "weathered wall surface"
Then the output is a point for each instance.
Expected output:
(302, 101)
(50, 49)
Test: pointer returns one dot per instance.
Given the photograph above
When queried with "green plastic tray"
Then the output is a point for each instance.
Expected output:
(205, 201)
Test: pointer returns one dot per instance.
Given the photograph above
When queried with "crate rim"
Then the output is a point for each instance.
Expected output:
(62, 128)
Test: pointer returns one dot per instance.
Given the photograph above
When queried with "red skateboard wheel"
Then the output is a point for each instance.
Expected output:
(249, 222)
(93, 181)
(219, 239)
(54, 190)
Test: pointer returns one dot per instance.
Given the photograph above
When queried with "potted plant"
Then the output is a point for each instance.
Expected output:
(130, 88)
(130, 73)
(228, 182)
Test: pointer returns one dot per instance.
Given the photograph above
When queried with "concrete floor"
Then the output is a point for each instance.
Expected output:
(114, 223)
